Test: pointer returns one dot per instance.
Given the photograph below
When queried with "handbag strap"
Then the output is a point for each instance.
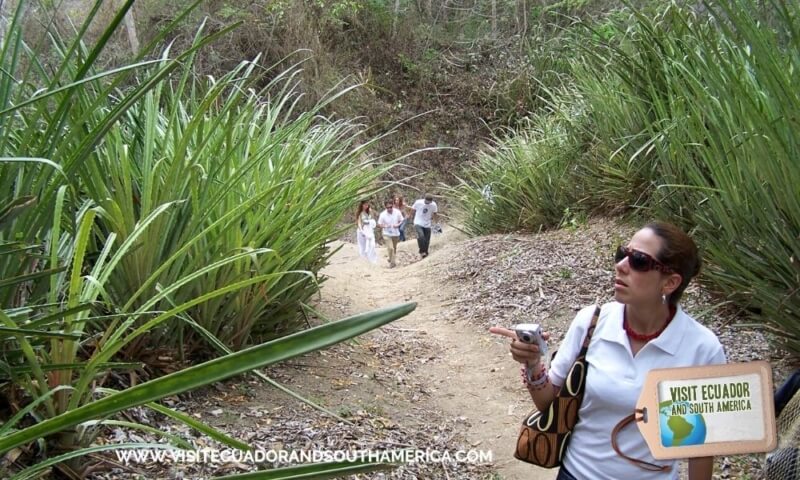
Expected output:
(588, 338)
(652, 467)
(581, 359)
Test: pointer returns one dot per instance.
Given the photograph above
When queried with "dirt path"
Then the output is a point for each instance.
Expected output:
(471, 376)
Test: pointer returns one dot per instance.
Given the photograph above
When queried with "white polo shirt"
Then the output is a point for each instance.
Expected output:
(613, 383)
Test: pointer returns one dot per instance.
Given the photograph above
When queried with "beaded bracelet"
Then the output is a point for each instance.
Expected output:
(536, 383)
(540, 383)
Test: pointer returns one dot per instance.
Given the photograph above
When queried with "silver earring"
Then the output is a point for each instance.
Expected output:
(664, 298)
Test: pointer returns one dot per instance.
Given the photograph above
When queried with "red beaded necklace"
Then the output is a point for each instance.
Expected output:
(641, 337)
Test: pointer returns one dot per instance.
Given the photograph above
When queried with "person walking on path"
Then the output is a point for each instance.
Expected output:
(424, 211)
(389, 220)
(365, 232)
(400, 206)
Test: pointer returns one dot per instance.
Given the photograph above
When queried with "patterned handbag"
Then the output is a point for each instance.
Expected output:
(544, 436)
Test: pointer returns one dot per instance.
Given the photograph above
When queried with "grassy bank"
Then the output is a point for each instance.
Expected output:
(682, 116)
(152, 218)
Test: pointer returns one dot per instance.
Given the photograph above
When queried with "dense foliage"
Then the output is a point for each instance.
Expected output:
(177, 203)
(148, 212)
(684, 116)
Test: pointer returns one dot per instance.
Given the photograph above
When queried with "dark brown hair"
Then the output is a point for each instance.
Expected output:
(361, 207)
(679, 252)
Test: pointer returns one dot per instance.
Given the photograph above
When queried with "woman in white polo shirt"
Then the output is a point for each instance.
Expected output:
(643, 329)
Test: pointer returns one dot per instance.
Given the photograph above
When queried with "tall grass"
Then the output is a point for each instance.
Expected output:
(693, 118)
(718, 101)
(523, 182)
(234, 169)
(144, 210)
(207, 155)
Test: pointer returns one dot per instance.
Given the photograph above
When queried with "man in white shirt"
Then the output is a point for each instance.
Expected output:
(389, 220)
(424, 212)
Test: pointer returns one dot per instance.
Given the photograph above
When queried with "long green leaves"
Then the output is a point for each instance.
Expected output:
(686, 117)
(242, 173)
(144, 208)
(524, 182)
(717, 149)
(212, 371)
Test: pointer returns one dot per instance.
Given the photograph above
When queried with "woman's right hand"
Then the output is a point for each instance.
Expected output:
(525, 353)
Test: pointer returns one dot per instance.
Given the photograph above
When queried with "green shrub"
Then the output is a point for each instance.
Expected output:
(716, 99)
(132, 214)
(522, 182)
(207, 150)
(687, 118)
(231, 169)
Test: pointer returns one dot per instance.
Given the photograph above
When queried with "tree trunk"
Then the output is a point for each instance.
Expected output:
(130, 28)
(4, 10)
(394, 17)
(494, 18)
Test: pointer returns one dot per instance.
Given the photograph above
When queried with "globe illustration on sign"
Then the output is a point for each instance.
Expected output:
(679, 427)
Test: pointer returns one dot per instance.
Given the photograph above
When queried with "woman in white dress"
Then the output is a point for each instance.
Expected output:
(365, 233)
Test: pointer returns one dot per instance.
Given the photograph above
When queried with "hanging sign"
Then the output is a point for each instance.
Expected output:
(711, 410)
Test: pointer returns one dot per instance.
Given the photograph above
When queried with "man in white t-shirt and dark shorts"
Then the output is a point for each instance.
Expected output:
(424, 210)
(389, 220)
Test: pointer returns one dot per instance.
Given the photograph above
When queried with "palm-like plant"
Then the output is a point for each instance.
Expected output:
(142, 206)
(715, 97)
(686, 117)
(242, 173)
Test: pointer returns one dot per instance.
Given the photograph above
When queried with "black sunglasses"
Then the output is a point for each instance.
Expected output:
(640, 261)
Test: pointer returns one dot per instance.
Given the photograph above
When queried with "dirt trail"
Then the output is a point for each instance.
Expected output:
(472, 375)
